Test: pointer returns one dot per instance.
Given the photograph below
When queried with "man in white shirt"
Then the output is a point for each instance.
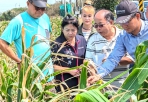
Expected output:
(101, 44)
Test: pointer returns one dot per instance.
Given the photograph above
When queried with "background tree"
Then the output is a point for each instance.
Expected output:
(106, 4)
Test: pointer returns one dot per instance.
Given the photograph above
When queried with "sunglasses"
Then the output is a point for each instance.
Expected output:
(99, 25)
(39, 8)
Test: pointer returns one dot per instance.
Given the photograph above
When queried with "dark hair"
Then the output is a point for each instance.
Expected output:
(68, 19)
(108, 14)
(30, 1)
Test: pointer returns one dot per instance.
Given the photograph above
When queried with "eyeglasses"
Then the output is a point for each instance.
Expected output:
(99, 25)
(39, 8)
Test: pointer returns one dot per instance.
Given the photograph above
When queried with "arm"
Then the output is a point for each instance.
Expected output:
(114, 58)
(74, 72)
(110, 63)
(8, 51)
(125, 61)
(10, 34)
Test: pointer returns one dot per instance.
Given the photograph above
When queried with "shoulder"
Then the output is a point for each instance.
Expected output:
(94, 37)
(15, 23)
(45, 15)
(17, 20)
(80, 37)
(80, 29)
(142, 15)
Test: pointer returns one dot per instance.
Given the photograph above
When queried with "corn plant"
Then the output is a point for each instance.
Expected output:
(136, 82)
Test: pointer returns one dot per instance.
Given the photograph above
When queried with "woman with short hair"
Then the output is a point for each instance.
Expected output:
(72, 44)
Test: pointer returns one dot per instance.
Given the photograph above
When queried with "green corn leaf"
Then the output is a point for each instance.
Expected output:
(50, 93)
(133, 83)
(83, 78)
(39, 86)
(91, 96)
(48, 87)
(112, 80)
(9, 90)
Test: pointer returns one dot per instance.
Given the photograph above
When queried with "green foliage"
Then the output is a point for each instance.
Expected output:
(56, 27)
(106, 4)
(3, 25)
(8, 15)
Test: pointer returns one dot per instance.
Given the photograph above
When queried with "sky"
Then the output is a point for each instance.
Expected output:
(9, 4)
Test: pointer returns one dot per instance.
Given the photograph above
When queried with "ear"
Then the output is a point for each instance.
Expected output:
(111, 22)
(138, 15)
(27, 3)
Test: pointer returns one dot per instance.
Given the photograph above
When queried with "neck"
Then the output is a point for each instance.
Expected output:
(71, 41)
(87, 27)
(111, 34)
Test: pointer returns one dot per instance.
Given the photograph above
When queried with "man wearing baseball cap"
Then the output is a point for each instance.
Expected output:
(35, 23)
(135, 31)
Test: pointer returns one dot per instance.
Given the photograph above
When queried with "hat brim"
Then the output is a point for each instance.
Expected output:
(40, 3)
(123, 19)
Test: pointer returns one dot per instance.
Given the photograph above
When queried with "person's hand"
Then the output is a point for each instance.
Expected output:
(74, 72)
(92, 79)
(19, 66)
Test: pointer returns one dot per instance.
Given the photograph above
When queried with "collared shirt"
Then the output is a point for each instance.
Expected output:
(144, 14)
(125, 43)
(78, 50)
(98, 48)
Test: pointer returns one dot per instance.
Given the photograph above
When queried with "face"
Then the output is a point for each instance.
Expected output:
(102, 26)
(130, 26)
(87, 17)
(35, 11)
(70, 32)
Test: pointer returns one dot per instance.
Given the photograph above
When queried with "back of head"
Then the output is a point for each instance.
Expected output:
(68, 19)
(39, 3)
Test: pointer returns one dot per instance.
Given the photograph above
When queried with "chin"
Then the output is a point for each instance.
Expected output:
(87, 23)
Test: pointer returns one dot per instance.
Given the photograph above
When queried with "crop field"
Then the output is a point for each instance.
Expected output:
(25, 86)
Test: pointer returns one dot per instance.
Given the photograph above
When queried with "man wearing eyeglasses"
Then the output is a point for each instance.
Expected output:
(36, 23)
(101, 44)
(135, 31)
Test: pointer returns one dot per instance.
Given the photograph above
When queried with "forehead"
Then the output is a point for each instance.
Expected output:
(88, 10)
(69, 26)
(87, 13)
(99, 19)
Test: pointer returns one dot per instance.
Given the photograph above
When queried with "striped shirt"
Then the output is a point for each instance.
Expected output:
(86, 35)
(98, 48)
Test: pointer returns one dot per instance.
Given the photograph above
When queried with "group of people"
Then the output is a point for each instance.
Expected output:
(110, 48)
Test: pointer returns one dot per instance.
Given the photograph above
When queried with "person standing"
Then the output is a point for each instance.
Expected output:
(101, 44)
(135, 32)
(72, 44)
(35, 22)
(87, 15)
